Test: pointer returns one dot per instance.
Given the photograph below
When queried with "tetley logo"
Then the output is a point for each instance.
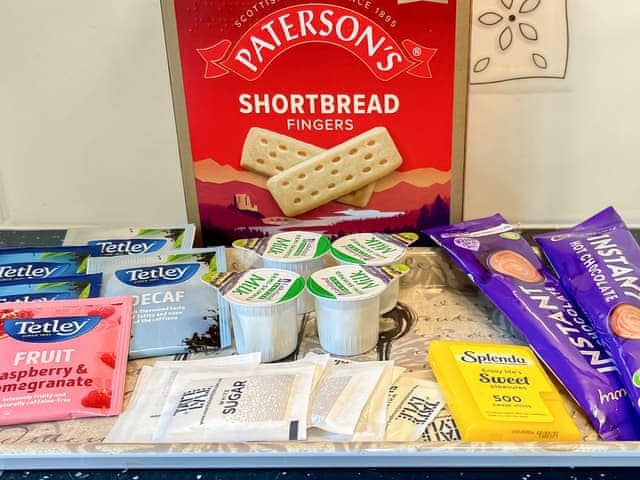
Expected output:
(297, 25)
(133, 246)
(30, 297)
(17, 271)
(158, 275)
(49, 330)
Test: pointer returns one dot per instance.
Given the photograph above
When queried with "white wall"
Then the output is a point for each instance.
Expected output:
(87, 133)
(554, 151)
(86, 121)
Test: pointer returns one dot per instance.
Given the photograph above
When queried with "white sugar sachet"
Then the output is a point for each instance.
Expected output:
(342, 394)
(373, 419)
(139, 420)
(320, 361)
(267, 403)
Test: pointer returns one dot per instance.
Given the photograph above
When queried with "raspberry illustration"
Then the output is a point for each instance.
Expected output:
(102, 311)
(109, 358)
(10, 315)
(99, 398)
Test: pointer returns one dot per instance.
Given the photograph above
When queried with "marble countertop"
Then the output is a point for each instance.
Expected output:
(436, 302)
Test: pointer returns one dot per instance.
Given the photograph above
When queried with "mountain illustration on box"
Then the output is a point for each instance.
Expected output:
(400, 201)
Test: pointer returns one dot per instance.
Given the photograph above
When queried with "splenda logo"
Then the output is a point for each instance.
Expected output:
(471, 356)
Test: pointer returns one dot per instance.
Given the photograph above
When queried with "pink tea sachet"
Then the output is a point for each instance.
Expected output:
(63, 359)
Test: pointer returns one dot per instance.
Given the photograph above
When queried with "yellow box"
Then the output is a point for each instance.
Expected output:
(500, 393)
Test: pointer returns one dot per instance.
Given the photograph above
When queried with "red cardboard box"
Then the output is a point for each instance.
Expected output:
(285, 109)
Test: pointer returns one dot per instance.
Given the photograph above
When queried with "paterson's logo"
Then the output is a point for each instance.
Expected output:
(322, 23)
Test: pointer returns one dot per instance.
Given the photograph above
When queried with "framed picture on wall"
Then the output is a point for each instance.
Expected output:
(333, 116)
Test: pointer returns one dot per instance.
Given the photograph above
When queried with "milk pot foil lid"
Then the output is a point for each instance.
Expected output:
(507, 270)
(372, 248)
(353, 282)
(598, 262)
(288, 247)
(259, 287)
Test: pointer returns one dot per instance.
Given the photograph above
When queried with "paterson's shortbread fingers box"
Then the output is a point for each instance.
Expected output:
(335, 116)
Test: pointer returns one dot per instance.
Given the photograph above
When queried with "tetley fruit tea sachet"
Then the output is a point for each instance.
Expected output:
(64, 359)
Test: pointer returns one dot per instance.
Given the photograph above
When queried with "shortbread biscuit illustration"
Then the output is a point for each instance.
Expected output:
(333, 173)
(268, 153)
(508, 262)
(358, 198)
(625, 321)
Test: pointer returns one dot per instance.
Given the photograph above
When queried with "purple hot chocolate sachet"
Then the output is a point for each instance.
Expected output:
(505, 267)
(598, 263)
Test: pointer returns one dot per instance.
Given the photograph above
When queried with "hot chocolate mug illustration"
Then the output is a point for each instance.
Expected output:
(515, 265)
(624, 320)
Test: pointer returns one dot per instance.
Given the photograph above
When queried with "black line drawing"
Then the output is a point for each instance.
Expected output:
(395, 324)
(539, 60)
(519, 39)
(482, 64)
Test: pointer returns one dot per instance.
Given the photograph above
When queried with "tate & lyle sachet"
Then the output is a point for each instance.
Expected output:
(503, 265)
